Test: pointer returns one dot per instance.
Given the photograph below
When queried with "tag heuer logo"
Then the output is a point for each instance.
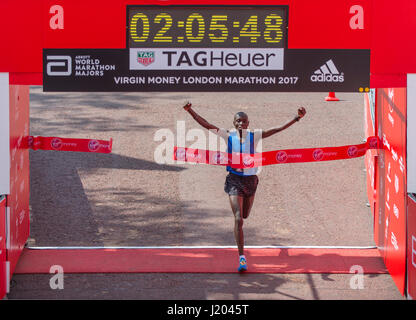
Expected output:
(145, 57)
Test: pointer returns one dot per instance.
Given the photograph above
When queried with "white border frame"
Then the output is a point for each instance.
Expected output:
(4, 134)
(411, 133)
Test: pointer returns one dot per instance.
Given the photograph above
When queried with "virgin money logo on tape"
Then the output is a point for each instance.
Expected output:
(318, 154)
(218, 158)
(93, 145)
(56, 143)
(373, 142)
(192, 156)
(281, 156)
(248, 161)
(180, 154)
(328, 72)
(352, 151)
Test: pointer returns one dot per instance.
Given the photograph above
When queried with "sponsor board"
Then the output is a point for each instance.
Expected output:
(202, 69)
(390, 182)
(18, 199)
(206, 59)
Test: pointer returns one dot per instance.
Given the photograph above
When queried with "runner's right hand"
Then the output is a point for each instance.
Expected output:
(301, 112)
(187, 106)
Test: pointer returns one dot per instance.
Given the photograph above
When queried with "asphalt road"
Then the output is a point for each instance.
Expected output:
(128, 199)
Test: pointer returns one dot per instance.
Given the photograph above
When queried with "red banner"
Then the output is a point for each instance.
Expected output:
(391, 186)
(314, 24)
(18, 199)
(102, 24)
(241, 161)
(70, 144)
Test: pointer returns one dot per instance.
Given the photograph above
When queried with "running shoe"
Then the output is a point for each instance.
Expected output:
(243, 265)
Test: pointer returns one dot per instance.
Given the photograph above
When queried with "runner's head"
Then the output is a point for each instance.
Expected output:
(241, 121)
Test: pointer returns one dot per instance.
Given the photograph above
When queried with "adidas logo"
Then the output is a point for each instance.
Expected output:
(328, 73)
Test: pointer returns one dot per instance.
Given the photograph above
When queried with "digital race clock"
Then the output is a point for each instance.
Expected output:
(209, 27)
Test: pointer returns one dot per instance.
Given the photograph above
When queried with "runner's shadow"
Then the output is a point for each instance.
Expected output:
(94, 161)
(61, 212)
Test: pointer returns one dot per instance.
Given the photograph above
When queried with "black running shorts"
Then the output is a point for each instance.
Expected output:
(244, 186)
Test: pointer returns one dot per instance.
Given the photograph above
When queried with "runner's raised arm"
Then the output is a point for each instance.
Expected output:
(272, 131)
(204, 123)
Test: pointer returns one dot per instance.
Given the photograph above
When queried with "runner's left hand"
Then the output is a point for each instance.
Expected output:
(301, 112)
(187, 106)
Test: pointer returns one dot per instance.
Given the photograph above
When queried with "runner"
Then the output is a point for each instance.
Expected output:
(241, 184)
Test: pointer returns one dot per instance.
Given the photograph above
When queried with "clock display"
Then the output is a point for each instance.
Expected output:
(199, 27)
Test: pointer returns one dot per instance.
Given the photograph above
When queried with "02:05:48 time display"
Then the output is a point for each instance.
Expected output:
(218, 29)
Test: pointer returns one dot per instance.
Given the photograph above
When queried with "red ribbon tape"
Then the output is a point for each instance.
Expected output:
(70, 144)
(241, 161)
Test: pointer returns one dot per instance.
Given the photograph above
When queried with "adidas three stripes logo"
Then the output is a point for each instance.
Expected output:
(328, 72)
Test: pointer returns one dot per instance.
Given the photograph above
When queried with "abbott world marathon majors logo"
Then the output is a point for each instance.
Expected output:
(328, 72)
(83, 65)
(58, 65)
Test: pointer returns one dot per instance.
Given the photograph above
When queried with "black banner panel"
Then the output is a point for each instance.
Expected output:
(206, 48)
(206, 69)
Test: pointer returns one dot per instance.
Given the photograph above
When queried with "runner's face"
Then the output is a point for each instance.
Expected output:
(241, 122)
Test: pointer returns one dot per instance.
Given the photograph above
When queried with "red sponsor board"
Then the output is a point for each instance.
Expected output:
(18, 200)
(390, 208)
(411, 246)
(3, 284)
(392, 54)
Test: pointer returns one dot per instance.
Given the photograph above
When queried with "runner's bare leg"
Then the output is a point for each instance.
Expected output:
(247, 205)
(236, 203)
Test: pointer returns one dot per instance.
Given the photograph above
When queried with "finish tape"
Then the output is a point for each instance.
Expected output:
(70, 144)
(244, 160)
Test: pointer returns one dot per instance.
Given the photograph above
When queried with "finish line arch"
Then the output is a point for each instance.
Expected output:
(342, 39)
